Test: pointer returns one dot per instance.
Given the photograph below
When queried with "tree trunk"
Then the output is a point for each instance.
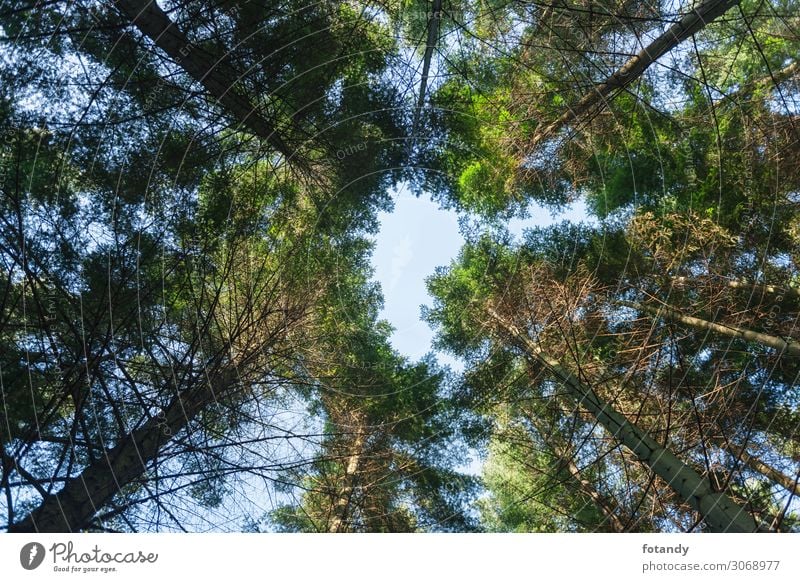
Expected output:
(72, 508)
(203, 67)
(606, 506)
(770, 472)
(789, 347)
(765, 83)
(781, 293)
(718, 511)
(633, 68)
(344, 496)
(433, 37)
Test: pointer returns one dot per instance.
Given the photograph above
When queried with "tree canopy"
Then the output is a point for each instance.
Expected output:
(190, 327)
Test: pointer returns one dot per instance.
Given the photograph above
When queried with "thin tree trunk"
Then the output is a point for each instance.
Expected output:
(72, 508)
(203, 67)
(781, 293)
(789, 347)
(433, 37)
(772, 80)
(770, 472)
(343, 499)
(633, 68)
(719, 512)
(606, 506)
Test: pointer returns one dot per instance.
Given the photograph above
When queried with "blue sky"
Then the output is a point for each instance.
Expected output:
(414, 239)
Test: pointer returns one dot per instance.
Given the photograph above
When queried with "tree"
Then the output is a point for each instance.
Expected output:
(628, 73)
(487, 299)
(158, 276)
(188, 325)
(387, 463)
(646, 128)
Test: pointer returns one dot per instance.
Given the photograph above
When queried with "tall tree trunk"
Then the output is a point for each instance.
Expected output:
(72, 508)
(718, 511)
(608, 507)
(434, 23)
(203, 67)
(770, 472)
(781, 293)
(638, 64)
(770, 81)
(345, 494)
(789, 347)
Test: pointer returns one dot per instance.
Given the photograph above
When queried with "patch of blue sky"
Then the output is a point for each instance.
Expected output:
(414, 239)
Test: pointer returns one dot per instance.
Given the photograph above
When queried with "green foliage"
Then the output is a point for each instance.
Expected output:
(527, 494)
(154, 244)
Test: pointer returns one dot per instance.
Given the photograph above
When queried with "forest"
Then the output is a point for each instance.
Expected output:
(191, 336)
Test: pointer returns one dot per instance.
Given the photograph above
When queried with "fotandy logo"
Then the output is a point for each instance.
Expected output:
(31, 555)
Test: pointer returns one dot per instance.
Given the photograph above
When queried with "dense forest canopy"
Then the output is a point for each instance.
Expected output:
(190, 331)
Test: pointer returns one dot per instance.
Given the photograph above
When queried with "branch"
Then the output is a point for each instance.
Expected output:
(203, 67)
(597, 98)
